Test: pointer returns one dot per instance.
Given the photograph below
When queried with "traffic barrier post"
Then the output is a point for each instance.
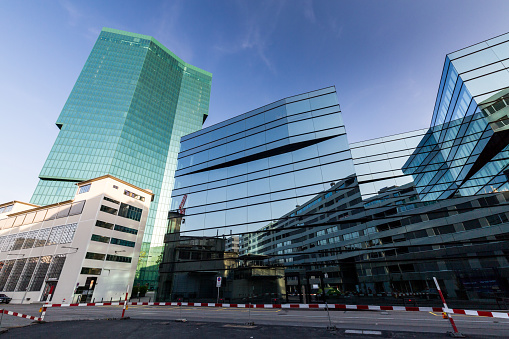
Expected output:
(456, 333)
(125, 301)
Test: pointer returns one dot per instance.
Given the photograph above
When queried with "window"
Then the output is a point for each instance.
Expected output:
(122, 242)
(24, 280)
(52, 213)
(92, 271)
(84, 188)
(95, 256)
(125, 229)
(104, 224)
(15, 275)
(496, 219)
(111, 200)
(56, 267)
(8, 243)
(109, 210)
(20, 239)
(134, 195)
(77, 208)
(118, 258)
(42, 237)
(6, 209)
(471, 224)
(6, 271)
(68, 233)
(40, 273)
(130, 212)
(64, 212)
(444, 229)
(30, 239)
(100, 238)
(54, 237)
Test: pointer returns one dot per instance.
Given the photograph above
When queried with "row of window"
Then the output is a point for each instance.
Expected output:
(126, 211)
(63, 234)
(109, 257)
(134, 195)
(42, 215)
(435, 231)
(114, 241)
(119, 228)
(28, 274)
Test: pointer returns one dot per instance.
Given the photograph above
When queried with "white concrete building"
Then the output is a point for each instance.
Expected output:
(86, 248)
(232, 244)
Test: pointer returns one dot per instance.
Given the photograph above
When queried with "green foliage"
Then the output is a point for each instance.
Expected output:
(135, 291)
(143, 290)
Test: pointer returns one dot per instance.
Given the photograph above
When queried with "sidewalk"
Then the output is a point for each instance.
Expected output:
(149, 296)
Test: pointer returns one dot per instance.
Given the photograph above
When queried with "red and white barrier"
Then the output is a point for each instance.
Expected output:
(21, 315)
(298, 306)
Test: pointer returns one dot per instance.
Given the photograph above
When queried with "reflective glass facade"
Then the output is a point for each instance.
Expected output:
(382, 216)
(465, 151)
(244, 172)
(132, 102)
(378, 161)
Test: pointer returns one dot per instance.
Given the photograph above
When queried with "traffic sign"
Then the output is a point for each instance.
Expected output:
(218, 282)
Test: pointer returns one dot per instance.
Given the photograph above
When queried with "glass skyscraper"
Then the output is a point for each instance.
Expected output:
(131, 104)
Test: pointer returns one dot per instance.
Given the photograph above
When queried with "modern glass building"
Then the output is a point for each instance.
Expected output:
(131, 104)
(465, 150)
(381, 216)
(246, 171)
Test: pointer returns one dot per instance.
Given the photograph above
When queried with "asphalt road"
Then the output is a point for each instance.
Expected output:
(152, 329)
(392, 321)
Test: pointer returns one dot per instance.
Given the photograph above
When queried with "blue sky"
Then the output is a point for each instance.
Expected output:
(384, 57)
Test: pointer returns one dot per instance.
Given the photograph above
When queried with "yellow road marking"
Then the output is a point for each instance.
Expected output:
(459, 315)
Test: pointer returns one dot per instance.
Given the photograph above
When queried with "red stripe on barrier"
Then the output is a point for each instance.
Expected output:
(90, 304)
(276, 306)
(362, 307)
(15, 314)
(460, 311)
(437, 309)
(313, 306)
(218, 305)
(340, 306)
(234, 305)
(387, 308)
(412, 309)
(259, 306)
(294, 306)
(485, 314)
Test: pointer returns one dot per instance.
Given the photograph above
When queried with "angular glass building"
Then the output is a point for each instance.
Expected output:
(466, 151)
(246, 171)
(131, 104)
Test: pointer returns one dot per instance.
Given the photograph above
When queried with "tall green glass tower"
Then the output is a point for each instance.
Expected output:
(131, 104)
